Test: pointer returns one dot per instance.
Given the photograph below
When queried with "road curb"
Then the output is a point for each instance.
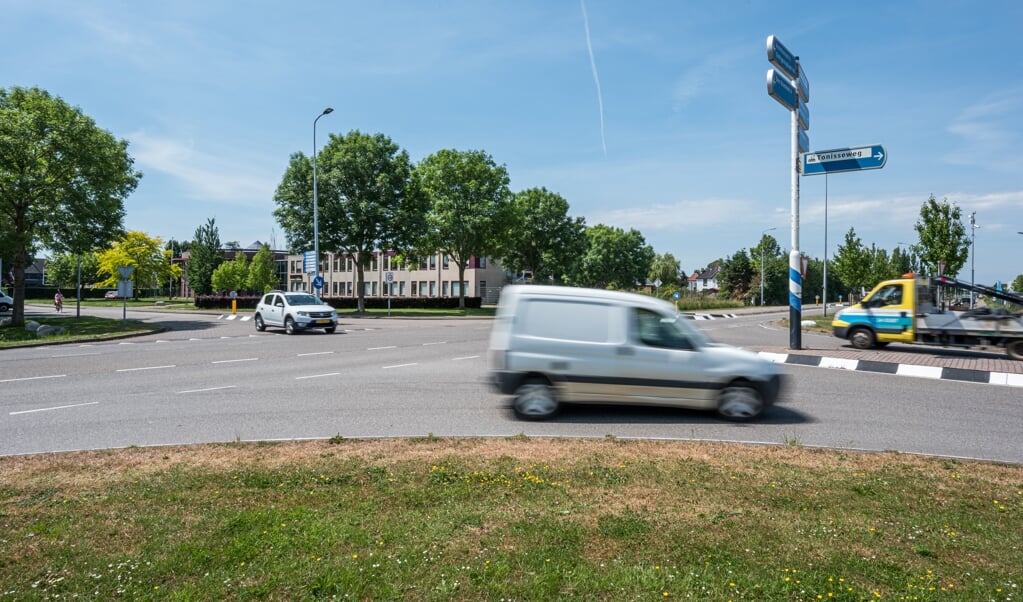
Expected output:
(897, 369)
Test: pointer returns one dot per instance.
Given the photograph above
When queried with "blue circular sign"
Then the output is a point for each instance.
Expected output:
(676, 295)
(318, 282)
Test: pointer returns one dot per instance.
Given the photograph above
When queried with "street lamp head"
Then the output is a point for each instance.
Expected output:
(327, 111)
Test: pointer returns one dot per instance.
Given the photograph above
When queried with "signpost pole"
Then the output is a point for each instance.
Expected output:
(795, 277)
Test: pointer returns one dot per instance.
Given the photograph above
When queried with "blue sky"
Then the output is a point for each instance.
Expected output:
(651, 115)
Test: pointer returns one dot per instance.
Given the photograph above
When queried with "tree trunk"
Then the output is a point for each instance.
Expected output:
(18, 311)
(461, 287)
(360, 279)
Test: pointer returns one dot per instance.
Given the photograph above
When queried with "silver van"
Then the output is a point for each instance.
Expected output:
(553, 344)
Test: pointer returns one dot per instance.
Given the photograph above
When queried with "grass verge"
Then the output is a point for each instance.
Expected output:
(81, 328)
(513, 519)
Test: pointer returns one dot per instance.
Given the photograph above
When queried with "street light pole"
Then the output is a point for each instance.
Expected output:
(316, 209)
(973, 252)
(762, 234)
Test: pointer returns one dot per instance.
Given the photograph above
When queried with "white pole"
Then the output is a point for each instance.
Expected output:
(795, 265)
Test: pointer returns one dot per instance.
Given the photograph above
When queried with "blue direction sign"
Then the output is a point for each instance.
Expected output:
(803, 85)
(780, 89)
(844, 159)
(781, 58)
(804, 140)
(309, 262)
(318, 282)
(804, 116)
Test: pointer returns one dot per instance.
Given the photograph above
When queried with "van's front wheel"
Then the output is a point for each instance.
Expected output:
(740, 403)
(535, 400)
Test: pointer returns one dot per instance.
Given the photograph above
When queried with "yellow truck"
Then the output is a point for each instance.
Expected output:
(912, 310)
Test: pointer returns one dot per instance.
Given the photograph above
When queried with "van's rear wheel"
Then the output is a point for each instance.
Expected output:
(862, 338)
(740, 403)
(535, 400)
(1015, 349)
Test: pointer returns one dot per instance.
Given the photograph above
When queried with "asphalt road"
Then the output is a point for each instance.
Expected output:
(207, 379)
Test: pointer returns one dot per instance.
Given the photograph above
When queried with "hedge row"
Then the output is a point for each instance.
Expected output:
(347, 303)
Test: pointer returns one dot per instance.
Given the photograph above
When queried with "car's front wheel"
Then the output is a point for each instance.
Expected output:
(740, 403)
(289, 325)
(329, 330)
(260, 325)
(535, 400)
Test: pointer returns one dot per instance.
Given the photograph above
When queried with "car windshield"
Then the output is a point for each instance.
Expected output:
(303, 300)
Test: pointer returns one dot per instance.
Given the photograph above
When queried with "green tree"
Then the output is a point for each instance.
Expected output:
(366, 200)
(471, 209)
(262, 271)
(543, 238)
(231, 275)
(143, 252)
(852, 265)
(63, 181)
(205, 256)
(942, 237)
(63, 269)
(613, 259)
(667, 269)
(1017, 284)
(736, 276)
(774, 271)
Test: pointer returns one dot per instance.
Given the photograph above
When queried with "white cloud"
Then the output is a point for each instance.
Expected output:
(203, 176)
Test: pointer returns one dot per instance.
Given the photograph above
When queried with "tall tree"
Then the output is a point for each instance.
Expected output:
(262, 271)
(231, 275)
(367, 200)
(544, 239)
(942, 236)
(667, 269)
(471, 209)
(736, 276)
(144, 253)
(63, 181)
(204, 256)
(774, 271)
(852, 265)
(613, 259)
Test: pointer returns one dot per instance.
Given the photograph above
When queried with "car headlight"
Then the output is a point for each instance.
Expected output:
(304, 314)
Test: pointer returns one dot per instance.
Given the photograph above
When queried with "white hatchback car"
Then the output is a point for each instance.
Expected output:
(6, 303)
(553, 344)
(294, 312)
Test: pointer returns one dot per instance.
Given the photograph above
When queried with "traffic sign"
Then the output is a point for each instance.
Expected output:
(318, 282)
(389, 276)
(309, 262)
(804, 116)
(804, 141)
(780, 89)
(844, 159)
(803, 85)
(781, 58)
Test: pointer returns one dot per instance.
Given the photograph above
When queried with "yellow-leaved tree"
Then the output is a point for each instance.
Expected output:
(146, 254)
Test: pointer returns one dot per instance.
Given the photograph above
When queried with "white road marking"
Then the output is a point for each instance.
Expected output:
(208, 389)
(467, 357)
(377, 348)
(73, 355)
(438, 343)
(244, 359)
(77, 405)
(317, 375)
(317, 353)
(146, 368)
(14, 380)
(400, 365)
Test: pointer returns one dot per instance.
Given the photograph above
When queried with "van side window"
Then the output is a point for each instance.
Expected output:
(570, 321)
(655, 330)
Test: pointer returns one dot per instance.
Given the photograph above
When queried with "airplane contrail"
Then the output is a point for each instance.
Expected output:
(596, 78)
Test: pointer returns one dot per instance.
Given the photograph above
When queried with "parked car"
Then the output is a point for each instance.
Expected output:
(6, 303)
(294, 312)
(552, 345)
(110, 295)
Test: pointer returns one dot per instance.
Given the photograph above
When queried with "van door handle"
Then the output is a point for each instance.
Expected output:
(626, 350)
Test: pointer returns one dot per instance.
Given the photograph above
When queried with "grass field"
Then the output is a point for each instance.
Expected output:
(507, 519)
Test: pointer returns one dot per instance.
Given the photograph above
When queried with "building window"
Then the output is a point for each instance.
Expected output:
(348, 288)
(481, 262)
(374, 289)
(444, 288)
(373, 263)
(433, 262)
(401, 288)
(433, 288)
(413, 287)
(422, 288)
(444, 262)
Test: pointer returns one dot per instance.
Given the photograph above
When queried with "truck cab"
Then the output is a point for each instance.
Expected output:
(886, 315)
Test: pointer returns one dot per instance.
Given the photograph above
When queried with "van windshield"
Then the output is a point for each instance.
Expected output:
(658, 330)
